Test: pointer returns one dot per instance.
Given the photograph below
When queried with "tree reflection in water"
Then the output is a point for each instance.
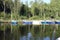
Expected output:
(25, 34)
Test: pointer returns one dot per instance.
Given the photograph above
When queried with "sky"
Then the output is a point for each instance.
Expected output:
(46, 1)
(24, 1)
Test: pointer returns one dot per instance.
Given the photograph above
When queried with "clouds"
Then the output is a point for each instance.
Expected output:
(46, 1)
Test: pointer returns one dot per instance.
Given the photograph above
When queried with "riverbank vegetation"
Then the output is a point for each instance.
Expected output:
(10, 9)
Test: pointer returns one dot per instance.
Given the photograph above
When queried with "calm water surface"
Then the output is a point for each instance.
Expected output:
(29, 32)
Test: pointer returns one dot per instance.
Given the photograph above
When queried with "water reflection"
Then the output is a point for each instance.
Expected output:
(1, 34)
(53, 35)
(23, 38)
(30, 37)
(46, 38)
(27, 37)
(24, 33)
(58, 38)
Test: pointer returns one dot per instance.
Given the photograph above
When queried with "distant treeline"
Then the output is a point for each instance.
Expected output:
(38, 9)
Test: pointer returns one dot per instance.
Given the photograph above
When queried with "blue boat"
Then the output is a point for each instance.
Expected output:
(48, 22)
(44, 22)
(27, 23)
(14, 22)
(57, 22)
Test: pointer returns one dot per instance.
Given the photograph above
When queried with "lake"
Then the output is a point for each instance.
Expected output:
(29, 32)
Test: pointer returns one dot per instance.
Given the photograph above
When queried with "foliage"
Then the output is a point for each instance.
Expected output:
(38, 8)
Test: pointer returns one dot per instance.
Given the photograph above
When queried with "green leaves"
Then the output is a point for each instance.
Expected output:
(38, 8)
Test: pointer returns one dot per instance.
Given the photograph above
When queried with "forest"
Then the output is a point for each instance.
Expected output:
(38, 11)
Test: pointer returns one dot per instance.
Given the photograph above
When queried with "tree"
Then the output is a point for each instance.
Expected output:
(23, 10)
(7, 7)
(1, 6)
(36, 11)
